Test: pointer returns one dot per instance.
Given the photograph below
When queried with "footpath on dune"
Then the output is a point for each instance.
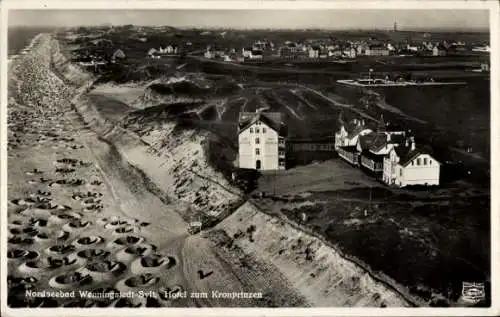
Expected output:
(252, 246)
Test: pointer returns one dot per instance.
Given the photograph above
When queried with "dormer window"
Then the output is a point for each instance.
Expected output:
(257, 130)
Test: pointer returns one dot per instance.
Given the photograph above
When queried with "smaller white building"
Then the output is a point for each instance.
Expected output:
(406, 165)
(261, 141)
(314, 52)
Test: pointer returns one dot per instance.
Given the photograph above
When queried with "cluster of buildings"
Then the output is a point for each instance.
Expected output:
(388, 153)
(167, 51)
(329, 49)
(95, 59)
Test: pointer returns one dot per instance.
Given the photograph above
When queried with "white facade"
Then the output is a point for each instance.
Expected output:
(423, 169)
(313, 53)
(260, 147)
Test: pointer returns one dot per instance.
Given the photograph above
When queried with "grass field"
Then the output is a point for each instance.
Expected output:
(431, 233)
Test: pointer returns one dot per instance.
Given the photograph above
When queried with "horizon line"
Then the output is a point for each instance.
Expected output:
(403, 29)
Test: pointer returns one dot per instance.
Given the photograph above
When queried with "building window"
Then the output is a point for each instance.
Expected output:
(257, 151)
(412, 163)
(251, 130)
(263, 130)
(418, 161)
(281, 152)
(430, 162)
(425, 161)
(257, 130)
(257, 141)
(401, 172)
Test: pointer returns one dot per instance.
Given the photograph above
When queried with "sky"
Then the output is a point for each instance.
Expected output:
(259, 19)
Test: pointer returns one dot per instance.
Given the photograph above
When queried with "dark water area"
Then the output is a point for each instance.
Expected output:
(20, 37)
(462, 111)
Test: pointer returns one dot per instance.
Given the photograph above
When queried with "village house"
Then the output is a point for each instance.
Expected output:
(438, 50)
(361, 48)
(261, 140)
(347, 138)
(213, 52)
(406, 165)
(256, 54)
(376, 50)
(350, 52)
(374, 147)
(314, 51)
(246, 52)
(118, 55)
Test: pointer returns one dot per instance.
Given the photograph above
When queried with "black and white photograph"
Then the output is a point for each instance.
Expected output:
(254, 157)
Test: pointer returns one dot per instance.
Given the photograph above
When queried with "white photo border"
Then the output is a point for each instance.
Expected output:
(492, 6)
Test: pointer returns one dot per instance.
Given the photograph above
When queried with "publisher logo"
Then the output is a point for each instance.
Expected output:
(473, 292)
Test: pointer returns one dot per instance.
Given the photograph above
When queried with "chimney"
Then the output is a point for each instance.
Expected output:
(412, 143)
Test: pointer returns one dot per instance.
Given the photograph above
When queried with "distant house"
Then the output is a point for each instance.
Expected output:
(407, 165)
(412, 48)
(246, 52)
(439, 50)
(376, 50)
(361, 49)
(170, 49)
(152, 51)
(209, 54)
(350, 52)
(118, 55)
(261, 140)
(256, 54)
(289, 50)
(485, 49)
(314, 51)
(391, 47)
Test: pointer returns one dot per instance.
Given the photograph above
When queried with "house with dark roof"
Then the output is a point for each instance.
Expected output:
(261, 140)
(347, 138)
(376, 145)
(439, 50)
(408, 165)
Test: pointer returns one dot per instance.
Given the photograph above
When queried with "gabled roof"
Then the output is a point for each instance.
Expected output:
(378, 142)
(274, 120)
(366, 140)
(381, 140)
(119, 53)
(407, 155)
